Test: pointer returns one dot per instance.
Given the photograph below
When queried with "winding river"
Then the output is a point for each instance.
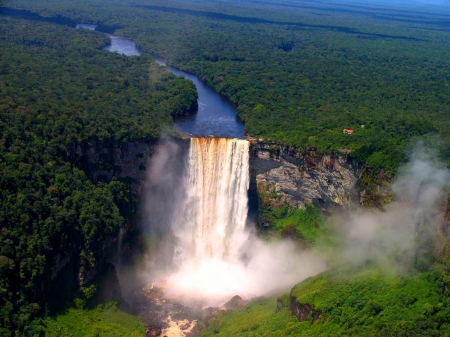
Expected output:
(215, 116)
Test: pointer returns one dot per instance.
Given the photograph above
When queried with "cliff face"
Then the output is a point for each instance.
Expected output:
(102, 161)
(329, 182)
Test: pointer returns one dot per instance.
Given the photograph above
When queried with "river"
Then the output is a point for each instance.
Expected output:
(165, 315)
(216, 116)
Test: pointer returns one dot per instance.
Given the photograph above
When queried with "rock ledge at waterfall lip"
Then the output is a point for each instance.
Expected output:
(326, 181)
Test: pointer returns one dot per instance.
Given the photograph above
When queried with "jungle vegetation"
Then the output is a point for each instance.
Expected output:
(299, 72)
(59, 90)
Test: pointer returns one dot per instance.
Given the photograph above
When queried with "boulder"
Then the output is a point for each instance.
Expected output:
(303, 311)
(234, 303)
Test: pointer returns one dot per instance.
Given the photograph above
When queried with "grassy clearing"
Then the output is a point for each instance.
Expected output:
(256, 319)
(307, 224)
(103, 321)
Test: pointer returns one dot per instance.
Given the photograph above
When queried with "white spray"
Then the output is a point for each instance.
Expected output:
(214, 255)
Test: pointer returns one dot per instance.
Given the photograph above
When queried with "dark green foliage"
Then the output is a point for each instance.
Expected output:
(59, 91)
(329, 79)
(77, 93)
(299, 73)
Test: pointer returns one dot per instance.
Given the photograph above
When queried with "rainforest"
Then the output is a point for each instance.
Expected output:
(257, 168)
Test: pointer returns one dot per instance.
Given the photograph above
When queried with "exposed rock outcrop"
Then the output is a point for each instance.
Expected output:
(233, 303)
(303, 312)
(59, 262)
(310, 177)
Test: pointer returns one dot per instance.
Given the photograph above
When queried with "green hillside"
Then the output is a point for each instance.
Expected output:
(105, 320)
(351, 302)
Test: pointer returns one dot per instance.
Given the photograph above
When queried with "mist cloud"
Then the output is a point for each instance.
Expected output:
(406, 233)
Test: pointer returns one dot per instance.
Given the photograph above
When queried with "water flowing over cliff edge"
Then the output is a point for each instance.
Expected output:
(214, 211)
(205, 250)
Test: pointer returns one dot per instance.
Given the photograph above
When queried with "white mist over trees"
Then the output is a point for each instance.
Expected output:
(406, 233)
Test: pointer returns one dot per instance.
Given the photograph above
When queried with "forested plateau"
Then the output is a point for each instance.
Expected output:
(300, 72)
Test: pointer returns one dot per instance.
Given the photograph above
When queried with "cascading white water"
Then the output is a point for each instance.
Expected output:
(210, 221)
(214, 212)
(198, 210)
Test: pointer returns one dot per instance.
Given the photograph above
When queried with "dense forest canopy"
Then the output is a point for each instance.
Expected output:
(301, 71)
(59, 90)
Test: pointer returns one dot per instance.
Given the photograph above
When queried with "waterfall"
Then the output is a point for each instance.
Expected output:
(214, 210)
(196, 211)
